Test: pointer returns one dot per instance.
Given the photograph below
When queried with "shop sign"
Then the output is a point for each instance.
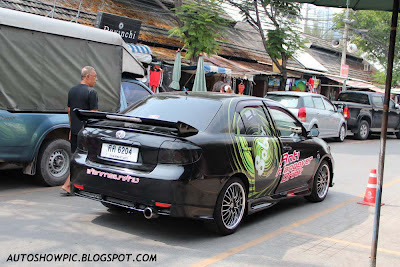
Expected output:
(128, 28)
(344, 71)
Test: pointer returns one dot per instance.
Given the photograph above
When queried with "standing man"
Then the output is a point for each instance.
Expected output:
(81, 96)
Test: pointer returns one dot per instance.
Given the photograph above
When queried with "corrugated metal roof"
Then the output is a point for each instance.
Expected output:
(45, 8)
(332, 63)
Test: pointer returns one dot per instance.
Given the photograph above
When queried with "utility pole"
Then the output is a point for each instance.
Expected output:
(344, 48)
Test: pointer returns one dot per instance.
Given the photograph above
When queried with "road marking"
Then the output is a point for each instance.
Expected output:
(279, 231)
(28, 191)
(354, 244)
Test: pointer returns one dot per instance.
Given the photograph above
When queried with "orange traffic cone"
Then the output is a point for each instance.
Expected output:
(370, 193)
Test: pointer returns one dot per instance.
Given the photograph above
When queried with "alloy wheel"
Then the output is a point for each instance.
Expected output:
(363, 130)
(233, 205)
(342, 133)
(323, 180)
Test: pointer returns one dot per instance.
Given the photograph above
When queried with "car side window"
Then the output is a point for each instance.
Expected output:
(329, 106)
(284, 122)
(134, 92)
(251, 120)
(308, 102)
(391, 104)
(319, 104)
(377, 101)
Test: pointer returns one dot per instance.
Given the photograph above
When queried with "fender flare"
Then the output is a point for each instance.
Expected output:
(30, 167)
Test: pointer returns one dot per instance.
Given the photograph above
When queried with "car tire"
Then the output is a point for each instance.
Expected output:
(342, 133)
(363, 130)
(321, 182)
(230, 207)
(53, 162)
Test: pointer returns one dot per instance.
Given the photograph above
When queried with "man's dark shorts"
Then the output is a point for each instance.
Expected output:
(74, 142)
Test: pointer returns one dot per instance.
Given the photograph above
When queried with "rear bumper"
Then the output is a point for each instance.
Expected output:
(184, 187)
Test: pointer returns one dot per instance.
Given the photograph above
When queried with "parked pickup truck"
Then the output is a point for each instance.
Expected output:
(363, 112)
(41, 59)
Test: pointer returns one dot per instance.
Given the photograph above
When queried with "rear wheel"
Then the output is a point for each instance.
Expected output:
(342, 133)
(363, 130)
(321, 182)
(230, 208)
(53, 162)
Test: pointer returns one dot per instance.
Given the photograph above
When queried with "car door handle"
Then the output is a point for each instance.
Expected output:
(287, 148)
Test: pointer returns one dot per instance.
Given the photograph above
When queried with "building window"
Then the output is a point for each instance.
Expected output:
(367, 67)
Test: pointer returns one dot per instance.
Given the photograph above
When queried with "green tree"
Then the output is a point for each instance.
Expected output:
(370, 31)
(275, 21)
(200, 27)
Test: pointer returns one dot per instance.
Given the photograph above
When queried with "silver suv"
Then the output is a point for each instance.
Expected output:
(315, 111)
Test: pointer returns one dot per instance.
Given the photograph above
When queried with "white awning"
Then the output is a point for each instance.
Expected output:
(130, 63)
(141, 52)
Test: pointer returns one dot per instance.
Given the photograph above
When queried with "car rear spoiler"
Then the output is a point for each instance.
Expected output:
(183, 129)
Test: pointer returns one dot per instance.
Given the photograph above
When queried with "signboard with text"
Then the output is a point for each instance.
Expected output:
(128, 28)
(344, 71)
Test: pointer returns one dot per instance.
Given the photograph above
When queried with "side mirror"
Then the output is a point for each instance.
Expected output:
(314, 132)
(397, 106)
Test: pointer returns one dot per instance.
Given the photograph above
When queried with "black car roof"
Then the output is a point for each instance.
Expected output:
(206, 95)
(221, 97)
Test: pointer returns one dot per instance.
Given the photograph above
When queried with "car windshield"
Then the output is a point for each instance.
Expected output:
(197, 112)
(354, 97)
(288, 101)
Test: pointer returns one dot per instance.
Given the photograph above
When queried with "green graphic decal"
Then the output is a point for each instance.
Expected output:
(266, 150)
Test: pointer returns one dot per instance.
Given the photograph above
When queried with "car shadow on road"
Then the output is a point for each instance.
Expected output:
(174, 231)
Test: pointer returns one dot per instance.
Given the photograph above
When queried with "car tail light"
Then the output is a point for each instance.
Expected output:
(176, 152)
(82, 141)
(78, 186)
(346, 113)
(302, 114)
(163, 205)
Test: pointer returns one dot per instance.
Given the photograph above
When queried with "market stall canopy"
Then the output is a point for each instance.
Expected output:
(199, 84)
(176, 73)
(141, 52)
(395, 91)
(385, 5)
(208, 68)
(358, 84)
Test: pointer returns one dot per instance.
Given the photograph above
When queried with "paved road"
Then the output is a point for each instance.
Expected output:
(336, 232)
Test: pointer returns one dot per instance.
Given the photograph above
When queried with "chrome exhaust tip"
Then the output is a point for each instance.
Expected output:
(149, 213)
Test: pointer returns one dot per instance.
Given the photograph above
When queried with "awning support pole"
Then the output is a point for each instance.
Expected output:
(381, 165)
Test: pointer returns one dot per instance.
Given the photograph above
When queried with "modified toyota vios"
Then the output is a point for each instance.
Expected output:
(206, 156)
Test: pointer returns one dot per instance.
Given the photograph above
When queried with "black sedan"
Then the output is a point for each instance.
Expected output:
(206, 156)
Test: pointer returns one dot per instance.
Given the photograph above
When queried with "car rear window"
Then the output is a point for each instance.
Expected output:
(288, 101)
(354, 97)
(196, 112)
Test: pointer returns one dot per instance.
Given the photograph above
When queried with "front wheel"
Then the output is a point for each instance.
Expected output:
(53, 162)
(342, 134)
(321, 182)
(230, 207)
